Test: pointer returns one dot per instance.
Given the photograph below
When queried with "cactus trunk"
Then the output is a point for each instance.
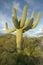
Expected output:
(19, 39)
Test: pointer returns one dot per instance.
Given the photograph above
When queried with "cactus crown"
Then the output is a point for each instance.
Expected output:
(21, 23)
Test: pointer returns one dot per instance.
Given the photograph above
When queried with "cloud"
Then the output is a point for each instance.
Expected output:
(39, 32)
(30, 1)
(11, 5)
(16, 5)
(3, 18)
(33, 33)
(7, 5)
(35, 4)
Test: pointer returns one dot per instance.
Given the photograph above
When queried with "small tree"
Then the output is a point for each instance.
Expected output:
(20, 26)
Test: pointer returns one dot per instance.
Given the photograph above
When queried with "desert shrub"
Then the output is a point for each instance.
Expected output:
(8, 56)
(32, 46)
(17, 59)
(22, 59)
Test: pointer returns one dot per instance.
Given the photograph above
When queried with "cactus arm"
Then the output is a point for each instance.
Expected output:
(32, 16)
(14, 13)
(24, 14)
(8, 30)
(28, 26)
(15, 21)
(29, 22)
(19, 22)
(6, 25)
(14, 18)
(37, 20)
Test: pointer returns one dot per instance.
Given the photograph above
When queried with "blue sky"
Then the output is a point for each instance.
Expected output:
(6, 11)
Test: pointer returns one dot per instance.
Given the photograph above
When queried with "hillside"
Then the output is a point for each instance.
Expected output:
(8, 46)
(8, 41)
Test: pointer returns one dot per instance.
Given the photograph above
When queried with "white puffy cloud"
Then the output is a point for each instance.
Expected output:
(39, 32)
(33, 33)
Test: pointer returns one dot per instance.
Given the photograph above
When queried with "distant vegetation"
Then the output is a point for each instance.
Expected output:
(29, 56)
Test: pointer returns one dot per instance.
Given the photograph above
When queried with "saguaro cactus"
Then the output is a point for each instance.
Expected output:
(20, 26)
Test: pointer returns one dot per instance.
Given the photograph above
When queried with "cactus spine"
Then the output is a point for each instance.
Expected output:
(21, 26)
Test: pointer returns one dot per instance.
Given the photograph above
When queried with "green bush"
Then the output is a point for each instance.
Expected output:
(17, 59)
(8, 56)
